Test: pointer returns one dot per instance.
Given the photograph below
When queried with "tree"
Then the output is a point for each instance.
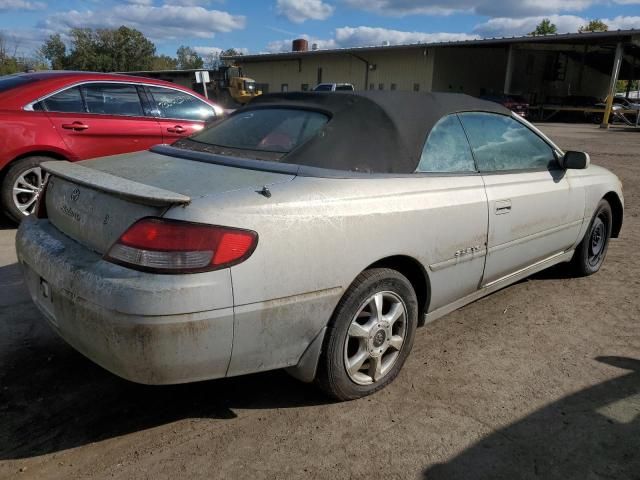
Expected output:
(230, 52)
(130, 48)
(624, 86)
(8, 60)
(54, 51)
(188, 58)
(164, 62)
(105, 50)
(83, 54)
(595, 25)
(545, 27)
(11, 62)
(211, 60)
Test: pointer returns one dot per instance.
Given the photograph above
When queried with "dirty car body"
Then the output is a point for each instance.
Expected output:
(411, 186)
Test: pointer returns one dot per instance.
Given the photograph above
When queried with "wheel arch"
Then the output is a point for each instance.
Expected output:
(306, 368)
(40, 153)
(618, 212)
(5, 200)
(55, 155)
(417, 276)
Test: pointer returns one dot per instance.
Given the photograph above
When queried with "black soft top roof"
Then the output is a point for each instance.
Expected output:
(371, 131)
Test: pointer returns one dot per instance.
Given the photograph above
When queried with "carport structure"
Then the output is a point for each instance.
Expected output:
(565, 71)
(575, 67)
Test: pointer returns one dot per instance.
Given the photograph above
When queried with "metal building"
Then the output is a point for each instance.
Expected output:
(544, 69)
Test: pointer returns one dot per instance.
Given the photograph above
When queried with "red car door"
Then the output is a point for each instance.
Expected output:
(180, 114)
(102, 118)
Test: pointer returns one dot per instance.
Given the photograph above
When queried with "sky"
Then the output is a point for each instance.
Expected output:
(258, 26)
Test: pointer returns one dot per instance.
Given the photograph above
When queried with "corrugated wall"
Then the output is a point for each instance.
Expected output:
(401, 68)
(408, 70)
(471, 70)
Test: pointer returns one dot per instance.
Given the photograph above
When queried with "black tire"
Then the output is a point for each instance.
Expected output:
(592, 250)
(13, 174)
(396, 292)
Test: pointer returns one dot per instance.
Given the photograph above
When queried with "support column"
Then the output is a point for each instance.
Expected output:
(509, 71)
(617, 62)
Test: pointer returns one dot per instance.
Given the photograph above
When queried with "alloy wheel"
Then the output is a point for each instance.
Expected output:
(27, 189)
(375, 338)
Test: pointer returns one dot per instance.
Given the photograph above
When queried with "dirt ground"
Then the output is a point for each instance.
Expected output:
(540, 380)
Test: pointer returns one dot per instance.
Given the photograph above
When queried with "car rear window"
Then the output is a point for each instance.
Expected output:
(278, 130)
(8, 82)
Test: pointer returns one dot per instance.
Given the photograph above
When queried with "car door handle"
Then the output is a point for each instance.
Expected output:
(77, 126)
(177, 129)
(502, 207)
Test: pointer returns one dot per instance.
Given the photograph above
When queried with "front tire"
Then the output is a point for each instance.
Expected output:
(592, 250)
(370, 336)
(22, 186)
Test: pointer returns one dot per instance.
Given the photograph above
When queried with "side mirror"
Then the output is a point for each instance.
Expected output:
(576, 160)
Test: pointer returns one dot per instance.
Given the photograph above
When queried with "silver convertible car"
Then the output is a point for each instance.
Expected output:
(308, 231)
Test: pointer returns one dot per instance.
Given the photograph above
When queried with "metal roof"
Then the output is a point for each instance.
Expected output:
(586, 37)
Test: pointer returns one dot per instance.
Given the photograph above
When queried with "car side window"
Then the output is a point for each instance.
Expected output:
(112, 99)
(180, 105)
(447, 149)
(501, 143)
(67, 101)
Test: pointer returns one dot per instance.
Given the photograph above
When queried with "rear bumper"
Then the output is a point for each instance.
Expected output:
(153, 329)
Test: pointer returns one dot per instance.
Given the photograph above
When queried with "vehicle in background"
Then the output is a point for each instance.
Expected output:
(627, 103)
(334, 87)
(579, 101)
(230, 88)
(59, 115)
(620, 111)
(515, 103)
(308, 231)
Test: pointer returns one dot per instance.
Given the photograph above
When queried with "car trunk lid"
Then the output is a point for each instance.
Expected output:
(95, 201)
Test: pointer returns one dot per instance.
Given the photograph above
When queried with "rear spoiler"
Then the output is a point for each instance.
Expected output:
(117, 186)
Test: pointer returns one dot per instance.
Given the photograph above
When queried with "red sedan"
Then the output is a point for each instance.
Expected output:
(75, 116)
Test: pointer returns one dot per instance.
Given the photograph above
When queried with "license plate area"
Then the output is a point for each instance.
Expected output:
(45, 299)
(41, 292)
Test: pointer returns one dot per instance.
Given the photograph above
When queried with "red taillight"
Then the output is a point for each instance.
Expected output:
(173, 246)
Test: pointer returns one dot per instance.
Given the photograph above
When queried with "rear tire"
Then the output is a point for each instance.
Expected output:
(21, 187)
(370, 335)
(592, 250)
